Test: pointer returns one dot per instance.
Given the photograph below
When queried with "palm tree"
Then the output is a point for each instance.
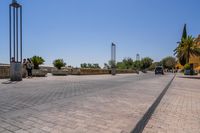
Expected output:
(181, 59)
(187, 48)
(179, 54)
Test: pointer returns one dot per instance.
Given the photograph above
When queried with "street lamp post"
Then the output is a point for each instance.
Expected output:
(15, 40)
(113, 59)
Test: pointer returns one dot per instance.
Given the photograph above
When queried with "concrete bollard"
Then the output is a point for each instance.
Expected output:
(15, 71)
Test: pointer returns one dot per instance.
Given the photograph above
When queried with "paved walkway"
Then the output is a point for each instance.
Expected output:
(179, 110)
(84, 104)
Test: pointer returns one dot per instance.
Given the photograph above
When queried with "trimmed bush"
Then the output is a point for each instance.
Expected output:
(37, 60)
(59, 63)
(187, 67)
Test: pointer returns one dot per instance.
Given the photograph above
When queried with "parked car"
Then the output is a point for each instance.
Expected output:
(190, 72)
(187, 72)
(159, 70)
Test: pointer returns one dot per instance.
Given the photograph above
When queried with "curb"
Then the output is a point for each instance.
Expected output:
(144, 120)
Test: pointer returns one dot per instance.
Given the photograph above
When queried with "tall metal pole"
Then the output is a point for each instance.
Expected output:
(10, 33)
(113, 59)
(14, 34)
(17, 33)
(15, 39)
(21, 32)
(15, 30)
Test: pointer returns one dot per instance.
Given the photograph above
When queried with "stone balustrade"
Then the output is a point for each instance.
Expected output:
(4, 71)
(90, 71)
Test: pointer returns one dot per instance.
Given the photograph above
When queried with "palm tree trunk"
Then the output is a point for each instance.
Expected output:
(188, 55)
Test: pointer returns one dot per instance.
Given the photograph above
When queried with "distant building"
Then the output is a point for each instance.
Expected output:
(194, 59)
(137, 57)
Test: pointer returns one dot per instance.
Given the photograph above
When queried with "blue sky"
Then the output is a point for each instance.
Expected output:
(82, 30)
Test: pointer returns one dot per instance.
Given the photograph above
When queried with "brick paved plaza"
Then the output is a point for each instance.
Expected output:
(179, 110)
(78, 103)
(105, 66)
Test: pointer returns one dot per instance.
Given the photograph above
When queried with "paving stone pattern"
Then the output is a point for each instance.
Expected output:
(77, 103)
(179, 110)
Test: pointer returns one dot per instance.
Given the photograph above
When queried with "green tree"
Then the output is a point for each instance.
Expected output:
(182, 60)
(169, 62)
(112, 63)
(187, 49)
(121, 65)
(96, 65)
(184, 34)
(128, 62)
(89, 65)
(137, 64)
(59, 63)
(154, 65)
(146, 63)
(81, 66)
(37, 60)
(84, 65)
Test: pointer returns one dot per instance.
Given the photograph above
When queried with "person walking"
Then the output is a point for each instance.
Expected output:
(24, 69)
(29, 68)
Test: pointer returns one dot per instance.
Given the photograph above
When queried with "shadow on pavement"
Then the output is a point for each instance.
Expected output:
(10, 82)
(190, 77)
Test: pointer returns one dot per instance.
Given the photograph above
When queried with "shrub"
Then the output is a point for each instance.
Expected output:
(169, 62)
(137, 65)
(84, 65)
(58, 63)
(120, 65)
(89, 65)
(37, 60)
(146, 63)
(187, 67)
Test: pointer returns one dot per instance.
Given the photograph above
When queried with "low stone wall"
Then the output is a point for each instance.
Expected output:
(39, 72)
(4, 71)
(59, 72)
(49, 69)
(124, 71)
(88, 71)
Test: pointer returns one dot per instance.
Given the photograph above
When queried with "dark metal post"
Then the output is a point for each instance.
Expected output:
(17, 34)
(14, 33)
(15, 30)
(10, 40)
(113, 59)
(21, 32)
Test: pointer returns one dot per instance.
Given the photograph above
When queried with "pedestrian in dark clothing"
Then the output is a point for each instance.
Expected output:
(29, 68)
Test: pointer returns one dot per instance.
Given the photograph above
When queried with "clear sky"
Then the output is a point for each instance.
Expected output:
(82, 30)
